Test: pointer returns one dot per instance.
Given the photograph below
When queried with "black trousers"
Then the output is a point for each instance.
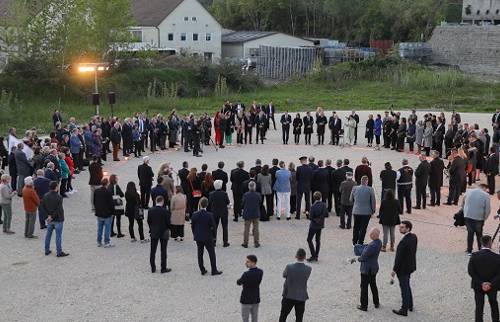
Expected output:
(406, 293)
(336, 198)
(211, 254)
(163, 253)
(248, 135)
(308, 138)
(492, 298)
(224, 221)
(369, 279)
(404, 194)
(293, 204)
(336, 138)
(435, 195)
(359, 229)
(455, 190)
(271, 118)
(145, 195)
(329, 199)
(237, 205)
(285, 134)
(356, 135)
(321, 138)
(286, 307)
(491, 183)
(131, 227)
(296, 138)
(345, 212)
(307, 195)
(474, 227)
(421, 197)
(312, 233)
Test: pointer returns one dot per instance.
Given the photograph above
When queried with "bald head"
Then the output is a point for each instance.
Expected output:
(374, 233)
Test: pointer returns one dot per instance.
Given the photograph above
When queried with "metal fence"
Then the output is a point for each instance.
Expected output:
(285, 62)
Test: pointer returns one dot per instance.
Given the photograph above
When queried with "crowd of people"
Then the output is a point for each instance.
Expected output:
(42, 176)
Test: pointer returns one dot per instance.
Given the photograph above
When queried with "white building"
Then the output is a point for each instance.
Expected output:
(476, 11)
(183, 26)
(241, 45)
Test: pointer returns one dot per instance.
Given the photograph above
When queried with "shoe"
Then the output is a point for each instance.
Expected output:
(348, 227)
(120, 235)
(166, 270)
(32, 237)
(133, 240)
(257, 245)
(416, 207)
(362, 308)
(410, 309)
(278, 218)
(288, 218)
(244, 245)
(181, 239)
(383, 249)
(469, 254)
(48, 253)
(225, 245)
(41, 228)
(62, 254)
(400, 312)
(297, 218)
(203, 272)
(113, 235)
(312, 259)
(108, 245)
(216, 273)
(99, 244)
(392, 248)
(341, 227)
(431, 205)
(447, 203)
(145, 241)
(408, 212)
(116, 159)
(9, 232)
(235, 220)
(153, 269)
(378, 305)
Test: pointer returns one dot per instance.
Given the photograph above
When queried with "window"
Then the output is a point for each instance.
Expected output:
(208, 37)
(478, 12)
(487, 12)
(170, 37)
(195, 37)
(183, 36)
(193, 18)
(136, 35)
(186, 18)
(208, 56)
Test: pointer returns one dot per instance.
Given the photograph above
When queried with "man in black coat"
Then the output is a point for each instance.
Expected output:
(286, 120)
(250, 295)
(436, 179)
(104, 210)
(220, 174)
(483, 269)
(321, 178)
(238, 176)
(438, 137)
(127, 138)
(218, 201)
(330, 169)
(491, 169)
(304, 177)
(115, 137)
(159, 224)
(308, 127)
(203, 227)
(337, 177)
(270, 110)
(421, 178)
(146, 175)
(405, 264)
(457, 177)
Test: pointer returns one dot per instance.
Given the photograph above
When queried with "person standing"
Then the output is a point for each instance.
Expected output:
(251, 214)
(203, 225)
(345, 201)
(295, 293)
(485, 275)
(283, 188)
(218, 202)
(265, 182)
(364, 206)
(24, 168)
(304, 178)
(388, 177)
(269, 113)
(119, 208)
(297, 128)
(104, 209)
(95, 177)
(52, 204)
(308, 127)
(31, 202)
(115, 137)
(159, 225)
(404, 181)
(389, 217)
(321, 122)
(321, 179)
(146, 175)
(220, 174)
(476, 208)
(356, 119)
(41, 185)
(238, 176)
(378, 131)
(318, 214)
(457, 177)
(134, 212)
(421, 177)
(338, 176)
(178, 209)
(491, 169)
(286, 120)
(250, 295)
(370, 128)
(405, 263)
(363, 170)
(436, 179)
(369, 269)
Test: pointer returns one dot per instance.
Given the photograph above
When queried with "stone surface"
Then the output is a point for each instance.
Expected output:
(96, 284)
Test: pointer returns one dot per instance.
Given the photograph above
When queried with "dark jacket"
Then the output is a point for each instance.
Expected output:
(159, 222)
(146, 175)
(183, 174)
(220, 175)
(484, 267)
(389, 212)
(436, 173)
(457, 171)
(251, 286)
(317, 215)
(103, 203)
(159, 191)
(388, 178)
(363, 170)
(238, 176)
(491, 167)
(369, 257)
(203, 226)
(304, 177)
(217, 203)
(251, 205)
(296, 276)
(405, 262)
(321, 179)
(41, 185)
(422, 174)
(52, 203)
(115, 136)
(95, 174)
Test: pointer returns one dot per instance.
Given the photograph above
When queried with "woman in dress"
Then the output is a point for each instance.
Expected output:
(297, 128)
(370, 128)
(351, 128)
(178, 210)
(133, 212)
(117, 193)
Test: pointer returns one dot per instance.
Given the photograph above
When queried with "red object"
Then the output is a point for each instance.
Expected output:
(384, 45)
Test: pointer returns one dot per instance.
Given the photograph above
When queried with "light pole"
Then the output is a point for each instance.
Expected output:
(94, 68)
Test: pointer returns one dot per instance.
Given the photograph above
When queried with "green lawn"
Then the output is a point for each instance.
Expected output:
(298, 96)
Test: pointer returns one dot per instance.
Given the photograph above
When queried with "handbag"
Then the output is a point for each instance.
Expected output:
(195, 193)
(117, 200)
(139, 213)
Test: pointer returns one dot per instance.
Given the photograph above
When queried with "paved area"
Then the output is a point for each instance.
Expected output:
(96, 284)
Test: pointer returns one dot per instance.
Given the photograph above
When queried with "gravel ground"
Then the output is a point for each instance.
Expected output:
(95, 284)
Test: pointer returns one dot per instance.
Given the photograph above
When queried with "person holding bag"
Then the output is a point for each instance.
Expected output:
(134, 212)
(117, 193)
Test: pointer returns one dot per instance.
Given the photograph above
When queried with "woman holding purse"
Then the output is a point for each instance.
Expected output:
(134, 212)
(117, 193)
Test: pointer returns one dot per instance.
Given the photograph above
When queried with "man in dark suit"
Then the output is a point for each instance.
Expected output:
(295, 287)
(308, 127)
(286, 120)
(146, 175)
(491, 169)
(321, 180)
(338, 176)
(159, 190)
(203, 227)
(317, 217)
(304, 177)
(421, 178)
(218, 201)
(270, 110)
(436, 179)
(250, 295)
(220, 174)
(329, 199)
(356, 118)
(238, 176)
(335, 127)
(438, 137)
(405, 264)
(457, 177)
(368, 257)
(483, 269)
(159, 223)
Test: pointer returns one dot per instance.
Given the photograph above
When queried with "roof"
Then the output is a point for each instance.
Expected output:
(244, 36)
(152, 12)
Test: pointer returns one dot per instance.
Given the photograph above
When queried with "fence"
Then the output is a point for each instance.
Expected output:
(285, 62)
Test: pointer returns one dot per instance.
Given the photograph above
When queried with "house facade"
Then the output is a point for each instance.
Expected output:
(477, 11)
(181, 26)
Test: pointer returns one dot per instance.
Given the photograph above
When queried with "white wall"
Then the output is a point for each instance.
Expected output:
(149, 36)
(278, 40)
(232, 50)
(482, 6)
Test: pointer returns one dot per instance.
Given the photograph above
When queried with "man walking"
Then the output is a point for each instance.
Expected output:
(295, 287)
(52, 204)
(318, 214)
(421, 178)
(436, 179)
(203, 225)
(405, 264)
(483, 269)
(282, 187)
(476, 208)
(159, 225)
(251, 214)
(250, 295)
(104, 210)
(404, 181)
(304, 177)
(364, 206)
(218, 201)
